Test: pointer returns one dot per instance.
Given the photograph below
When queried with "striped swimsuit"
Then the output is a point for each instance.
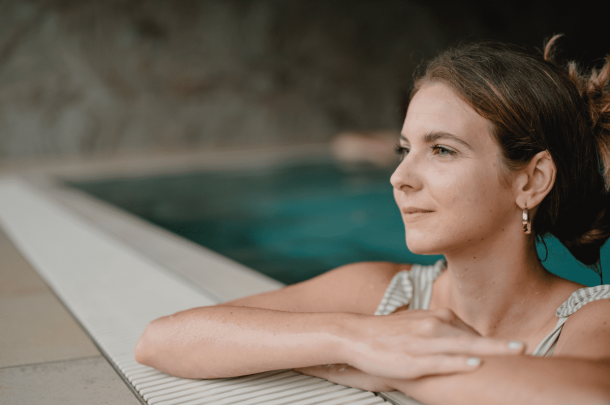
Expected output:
(414, 288)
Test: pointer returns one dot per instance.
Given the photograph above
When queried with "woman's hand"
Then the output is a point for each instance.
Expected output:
(415, 343)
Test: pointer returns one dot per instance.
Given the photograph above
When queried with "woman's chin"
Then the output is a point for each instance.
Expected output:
(424, 242)
(420, 247)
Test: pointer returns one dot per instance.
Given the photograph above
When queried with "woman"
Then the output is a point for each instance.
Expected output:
(498, 147)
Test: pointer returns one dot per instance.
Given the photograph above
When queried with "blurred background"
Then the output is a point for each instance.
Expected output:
(83, 79)
(89, 77)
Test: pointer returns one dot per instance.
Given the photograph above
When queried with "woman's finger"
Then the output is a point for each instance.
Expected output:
(466, 345)
(416, 367)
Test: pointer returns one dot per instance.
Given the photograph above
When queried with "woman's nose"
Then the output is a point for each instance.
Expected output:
(405, 176)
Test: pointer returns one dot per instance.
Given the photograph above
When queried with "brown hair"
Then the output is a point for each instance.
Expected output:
(534, 105)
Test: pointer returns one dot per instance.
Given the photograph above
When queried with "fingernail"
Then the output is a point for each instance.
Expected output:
(473, 361)
(515, 345)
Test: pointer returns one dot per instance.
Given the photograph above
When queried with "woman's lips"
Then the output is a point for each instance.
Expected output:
(412, 214)
(415, 210)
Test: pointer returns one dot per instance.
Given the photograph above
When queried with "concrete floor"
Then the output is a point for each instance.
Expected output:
(45, 356)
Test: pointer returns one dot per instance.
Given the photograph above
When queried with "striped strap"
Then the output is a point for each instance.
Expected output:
(547, 346)
(581, 297)
(577, 300)
(398, 294)
(411, 287)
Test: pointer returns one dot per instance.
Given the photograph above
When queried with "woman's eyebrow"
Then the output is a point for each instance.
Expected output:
(434, 136)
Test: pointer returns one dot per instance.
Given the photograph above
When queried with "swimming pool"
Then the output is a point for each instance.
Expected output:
(290, 222)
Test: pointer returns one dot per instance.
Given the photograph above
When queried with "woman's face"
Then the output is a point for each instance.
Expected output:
(448, 184)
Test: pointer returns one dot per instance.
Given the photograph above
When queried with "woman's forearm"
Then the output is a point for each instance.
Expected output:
(520, 380)
(500, 381)
(225, 341)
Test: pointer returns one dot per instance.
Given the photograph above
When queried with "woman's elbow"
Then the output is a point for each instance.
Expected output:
(595, 397)
(599, 385)
(157, 349)
(147, 344)
(595, 390)
(601, 396)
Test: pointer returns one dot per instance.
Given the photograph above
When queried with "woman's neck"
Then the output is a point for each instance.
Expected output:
(494, 285)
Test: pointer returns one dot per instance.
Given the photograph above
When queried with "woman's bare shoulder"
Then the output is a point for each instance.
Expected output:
(587, 331)
(356, 287)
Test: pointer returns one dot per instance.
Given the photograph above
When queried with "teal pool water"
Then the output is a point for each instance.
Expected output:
(290, 222)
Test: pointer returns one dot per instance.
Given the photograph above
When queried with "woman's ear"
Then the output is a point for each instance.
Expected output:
(536, 180)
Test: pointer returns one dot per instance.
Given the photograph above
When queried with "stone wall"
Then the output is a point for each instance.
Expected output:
(85, 77)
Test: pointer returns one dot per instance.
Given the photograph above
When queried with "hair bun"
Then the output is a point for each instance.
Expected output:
(594, 89)
(595, 92)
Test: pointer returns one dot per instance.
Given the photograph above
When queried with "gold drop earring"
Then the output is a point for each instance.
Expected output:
(527, 223)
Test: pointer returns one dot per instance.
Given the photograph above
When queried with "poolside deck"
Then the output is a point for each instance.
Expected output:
(45, 356)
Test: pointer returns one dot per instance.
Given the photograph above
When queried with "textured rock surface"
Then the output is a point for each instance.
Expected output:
(80, 77)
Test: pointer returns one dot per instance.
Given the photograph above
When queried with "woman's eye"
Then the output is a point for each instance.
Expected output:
(443, 150)
(401, 151)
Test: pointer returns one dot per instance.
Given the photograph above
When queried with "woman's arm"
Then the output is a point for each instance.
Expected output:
(521, 380)
(256, 333)
(230, 340)
(578, 373)
(227, 341)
